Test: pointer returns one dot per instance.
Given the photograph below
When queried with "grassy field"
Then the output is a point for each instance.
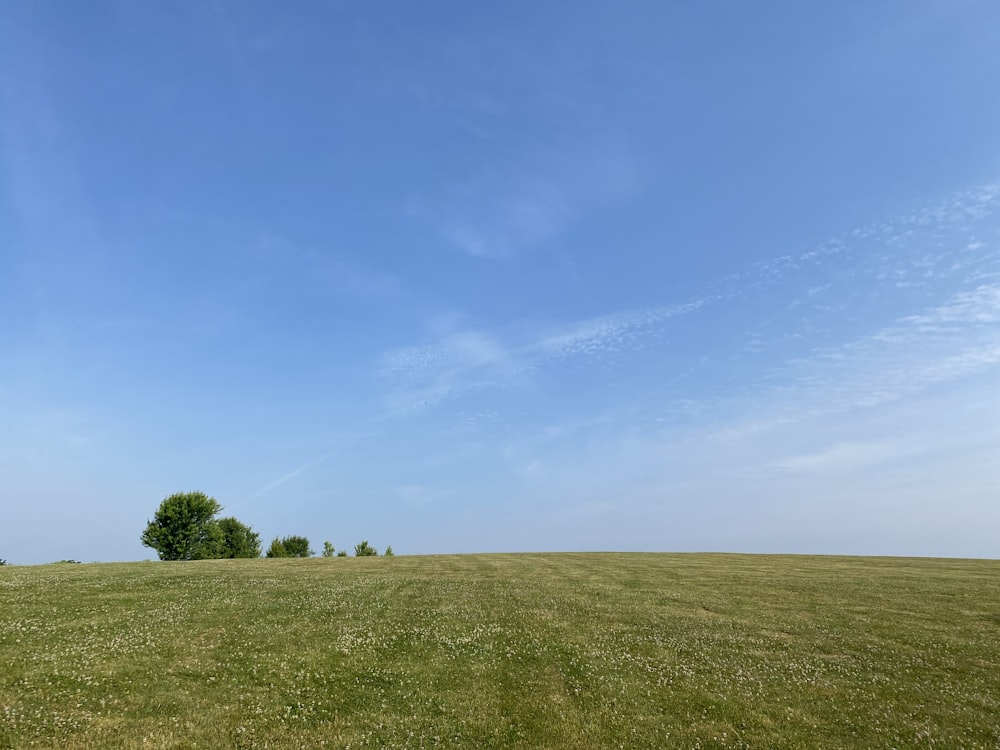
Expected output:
(503, 651)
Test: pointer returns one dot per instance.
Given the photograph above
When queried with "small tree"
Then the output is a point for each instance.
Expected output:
(290, 546)
(341, 553)
(363, 549)
(184, 527)
(328, 550)
(2, 561)
(388, 552)
(238, 540)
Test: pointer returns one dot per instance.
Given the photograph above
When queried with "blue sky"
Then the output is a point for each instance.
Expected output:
(464, 277)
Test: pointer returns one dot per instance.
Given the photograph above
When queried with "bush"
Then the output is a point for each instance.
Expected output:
(290, 546)
(328, 550)
(341, 553)
(363, 549)
(388, 552)
(238, 540)
(277, 549)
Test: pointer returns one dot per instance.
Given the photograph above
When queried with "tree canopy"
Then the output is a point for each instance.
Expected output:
(183, 527)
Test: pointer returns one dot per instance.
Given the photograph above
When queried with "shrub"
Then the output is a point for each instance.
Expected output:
(363, 549)
(328, 550)
(290, 546)
(238, 540)
(277, 549)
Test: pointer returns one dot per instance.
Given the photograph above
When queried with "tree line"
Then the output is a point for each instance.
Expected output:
(186, 527)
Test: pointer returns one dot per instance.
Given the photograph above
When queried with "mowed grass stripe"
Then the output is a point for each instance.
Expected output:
(503, 651)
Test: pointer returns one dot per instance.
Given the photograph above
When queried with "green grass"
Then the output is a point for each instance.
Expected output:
(503, 651)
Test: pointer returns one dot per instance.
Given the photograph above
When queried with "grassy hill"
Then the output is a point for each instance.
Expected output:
(503, 651)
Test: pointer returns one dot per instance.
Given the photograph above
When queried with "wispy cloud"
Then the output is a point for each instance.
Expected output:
(425, 376)
(977, 307)
(502, 226)
(468, 360)
(850, 456)
(512, 208)
(609, 333)
(457, 351)
(827, 306)
(944, 344)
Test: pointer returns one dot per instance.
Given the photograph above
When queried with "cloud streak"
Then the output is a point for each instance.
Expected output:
(287, 477)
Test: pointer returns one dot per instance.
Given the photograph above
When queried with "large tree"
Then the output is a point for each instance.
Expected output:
(238, 540)
(184, 528)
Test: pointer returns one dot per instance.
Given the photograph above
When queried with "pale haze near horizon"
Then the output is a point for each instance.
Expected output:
(459, 278)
